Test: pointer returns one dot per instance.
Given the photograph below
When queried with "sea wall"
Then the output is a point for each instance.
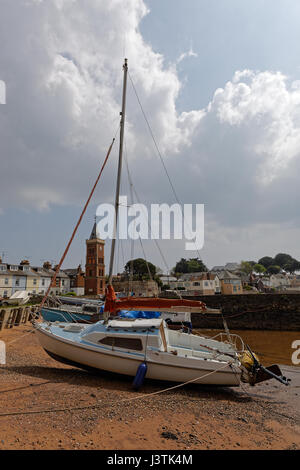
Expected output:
(251, 312)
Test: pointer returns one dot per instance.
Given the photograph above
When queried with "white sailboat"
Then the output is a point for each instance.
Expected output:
(147, 347)
(121, 346)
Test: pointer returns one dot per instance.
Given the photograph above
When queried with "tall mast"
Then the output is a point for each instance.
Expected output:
(122, 125)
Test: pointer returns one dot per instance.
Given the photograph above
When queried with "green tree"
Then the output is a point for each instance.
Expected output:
(281, 259)
(274, 269)
(196, 265)
(259, 268)
(266, 261)
(292, 266)
(181, 266)
(192, 265)
(246, 267)
(140, 269)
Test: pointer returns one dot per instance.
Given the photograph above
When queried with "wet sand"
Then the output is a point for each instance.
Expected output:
(193, 417)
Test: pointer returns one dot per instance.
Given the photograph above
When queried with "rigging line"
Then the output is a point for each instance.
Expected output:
(159, 153)
(149, 225)
(53, 280)
(123, 258)
(155, 241)
(132, 202)
(149, 272)
(130, 282)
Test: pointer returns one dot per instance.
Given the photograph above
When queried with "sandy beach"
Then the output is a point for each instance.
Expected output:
(48, 405)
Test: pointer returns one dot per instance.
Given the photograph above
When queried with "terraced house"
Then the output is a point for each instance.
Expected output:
(6, 280)
(230, 283)
(35, 280)
(201, 283)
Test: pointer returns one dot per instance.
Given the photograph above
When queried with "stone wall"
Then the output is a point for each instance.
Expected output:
(255, 312)
(146, 288)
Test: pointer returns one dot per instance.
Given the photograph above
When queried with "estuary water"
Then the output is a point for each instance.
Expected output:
(272, 347)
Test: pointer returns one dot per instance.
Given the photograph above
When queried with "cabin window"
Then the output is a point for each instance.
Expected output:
(126, 343)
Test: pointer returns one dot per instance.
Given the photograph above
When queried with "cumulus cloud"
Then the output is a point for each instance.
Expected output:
(265, 103)
(61, 62)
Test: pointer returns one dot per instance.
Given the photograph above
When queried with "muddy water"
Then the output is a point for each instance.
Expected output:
(272, 347)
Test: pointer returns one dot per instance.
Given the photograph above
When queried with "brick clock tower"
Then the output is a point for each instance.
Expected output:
(94, 266)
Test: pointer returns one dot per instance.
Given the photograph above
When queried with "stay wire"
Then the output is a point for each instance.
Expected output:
(159, 152)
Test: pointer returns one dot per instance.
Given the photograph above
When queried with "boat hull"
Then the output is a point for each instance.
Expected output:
(209, 373)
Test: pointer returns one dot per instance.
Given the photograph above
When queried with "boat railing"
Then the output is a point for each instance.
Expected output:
(230, 338)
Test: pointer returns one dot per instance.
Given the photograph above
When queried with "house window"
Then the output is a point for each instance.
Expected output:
(63, 282)
(5, 294)
(3, 267)
(34, 282)
(17, 282)
(6, 281)
(206, 283)
(125, 343)
(43, 282)
(196, 283)
(14, 268)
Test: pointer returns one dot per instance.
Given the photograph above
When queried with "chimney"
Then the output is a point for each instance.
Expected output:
(25, 262)
(47, 265)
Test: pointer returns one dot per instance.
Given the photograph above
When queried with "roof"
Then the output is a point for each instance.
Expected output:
(228, 275)
(232, 266)
(168, 278)
(18, 272)
(44, 272)
(94, 234)
(200, 276)
(70, 272)
(218, 268)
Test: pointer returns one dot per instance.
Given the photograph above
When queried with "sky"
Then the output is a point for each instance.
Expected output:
(219, 83)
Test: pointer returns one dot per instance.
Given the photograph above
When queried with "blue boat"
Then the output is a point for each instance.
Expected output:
(73, 314)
